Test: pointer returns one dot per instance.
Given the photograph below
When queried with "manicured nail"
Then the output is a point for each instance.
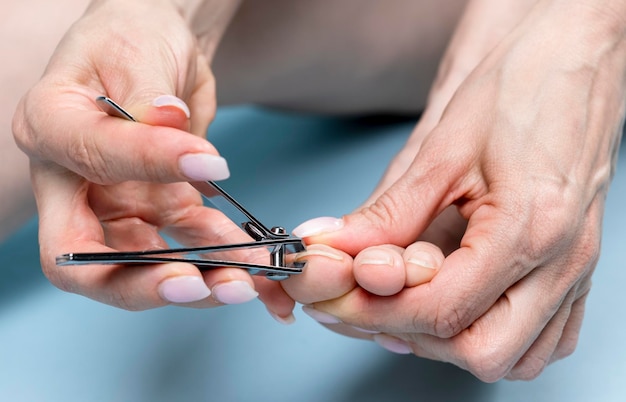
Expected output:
(288, 320)
(318, 226)
(170, 100)
(234, 292)
(202, 167)
(184, 289)
(366, 331)
(320, 316)
(393, 344)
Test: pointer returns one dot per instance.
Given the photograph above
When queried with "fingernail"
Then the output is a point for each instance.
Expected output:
(234, 292)
(202, 167)
(288, 320)
(319, 250)
(320, 316)
(420, 268)
(170, 100)
(317, 226)
(393, 344)
(423, 259)
(184, 289)
(374, 257)
(366, 331)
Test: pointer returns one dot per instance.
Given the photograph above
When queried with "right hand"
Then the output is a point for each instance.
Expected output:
(103, 183)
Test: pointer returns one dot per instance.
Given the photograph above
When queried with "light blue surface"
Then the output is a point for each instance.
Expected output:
(61, 347)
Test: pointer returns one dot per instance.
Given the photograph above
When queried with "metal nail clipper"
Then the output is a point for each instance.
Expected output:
(281, 247)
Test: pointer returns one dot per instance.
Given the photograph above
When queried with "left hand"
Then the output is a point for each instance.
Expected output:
(525, 149)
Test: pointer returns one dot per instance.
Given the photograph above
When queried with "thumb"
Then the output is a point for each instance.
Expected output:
(159, 106)
(398, 216)
(163, 110)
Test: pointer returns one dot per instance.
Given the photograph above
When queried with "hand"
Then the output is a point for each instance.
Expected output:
(525, 149)
(104, 184)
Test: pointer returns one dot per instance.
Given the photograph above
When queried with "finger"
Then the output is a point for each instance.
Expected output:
(402, 212)
(201, 226)
(167, 109)
(558, 339)
(403, 160)
(168, 65)
(380, 270)
(327, 275)
(386, 270)
(62, 204)
(107, 149)
(421, 261)
(345, 330)
(569, 338)
(202, 102)
(226, 285)
(136, 287)
(496, 341)
(277, 301)
(131, 234)
(231, 285)
(539, 355)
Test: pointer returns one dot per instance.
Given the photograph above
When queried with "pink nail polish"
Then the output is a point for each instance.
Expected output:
(366, 331)
(393, 344)
(234, 292)
(170, 100)
(320, 316)
(201, 167)
(184, 289)
(318, 226)
(288, 320)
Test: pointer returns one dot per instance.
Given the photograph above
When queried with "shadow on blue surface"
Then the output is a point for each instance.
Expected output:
(406, 378)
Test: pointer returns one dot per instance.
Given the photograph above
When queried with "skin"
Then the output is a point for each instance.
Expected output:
(530, 177)
(483, 250)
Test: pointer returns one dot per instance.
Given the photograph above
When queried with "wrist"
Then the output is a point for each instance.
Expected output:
(482, 27)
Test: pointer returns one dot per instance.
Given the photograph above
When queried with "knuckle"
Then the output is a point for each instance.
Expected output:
(486, 357)
(487, 364)
(123, 300)
(20, 130)
(382, 209)
(383, 215)
(589, 248)
(88, 160)
(23, 129)
(566, 347)
(559, 217)
(57, 278)
(528, 368)
(450, 321)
